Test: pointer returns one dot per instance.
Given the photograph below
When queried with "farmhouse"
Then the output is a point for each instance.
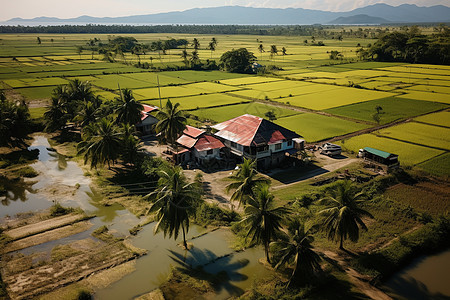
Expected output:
(148, 121)
(195, 145)
(256, 138)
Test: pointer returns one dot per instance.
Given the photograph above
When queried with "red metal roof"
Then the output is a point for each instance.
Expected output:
(208, 142)
(193, 132)
(276, 137)
(240, 130)
(149, 108)
(186, 141)
(248, 130)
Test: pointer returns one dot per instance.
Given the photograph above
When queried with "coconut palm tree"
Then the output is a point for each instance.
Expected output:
(273, 50)
(184, 56)
(262, 219)
(196, 44)
(87, 114)
(245, 181)
(212, 47)
(100, 144)
(261, 49)
(343, 216)
(175, 201)
(131, 145)
(55, 114)
(295, 250)
(172, 122)
(194, 57)
(128, 109)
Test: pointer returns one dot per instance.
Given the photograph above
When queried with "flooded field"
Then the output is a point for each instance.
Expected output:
(426, 278)
(62, 180)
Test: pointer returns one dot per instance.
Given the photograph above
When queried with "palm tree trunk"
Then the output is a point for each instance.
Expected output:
(341, 245)
(266, 246)
(184, 238)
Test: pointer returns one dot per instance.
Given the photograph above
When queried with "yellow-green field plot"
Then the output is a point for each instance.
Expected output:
(436, 97)
(153, 77)
(34, 82)
(335, 98)
(223, 113)
(418, 133)
(439, 165)
(315, 127)
(430, 88)
(166, 92)
(409, 154)
(32, 93)
(113, 82)
(440, 118)
(394, 108)
(277, 85)
(211, 87)
(249, 80)
(420, 70)
(201, 101)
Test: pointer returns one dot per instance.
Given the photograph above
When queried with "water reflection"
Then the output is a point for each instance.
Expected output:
(16, 190)
(105, 213)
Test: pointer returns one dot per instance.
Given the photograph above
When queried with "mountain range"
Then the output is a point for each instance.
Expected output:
(372, 14)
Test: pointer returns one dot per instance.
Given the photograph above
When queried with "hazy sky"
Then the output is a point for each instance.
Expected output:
(112, 8)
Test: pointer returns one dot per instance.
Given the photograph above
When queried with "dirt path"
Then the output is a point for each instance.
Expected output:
(357, 278)
(42, 226)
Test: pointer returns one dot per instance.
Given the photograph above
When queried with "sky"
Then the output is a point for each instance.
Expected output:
(114, 8)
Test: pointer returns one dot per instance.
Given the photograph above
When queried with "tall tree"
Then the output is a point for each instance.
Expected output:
(296, 250)
(101, 143)
(238, 61)
(343, 216)
(55, 114)
(194, 57)
(212, 47)
(196, 44)
(15, 123)
(172, 122)
(261, 49)
(245, 181)
(128, 109)
(273, 51)
(185, 56)
(262, 219)
(175, 201)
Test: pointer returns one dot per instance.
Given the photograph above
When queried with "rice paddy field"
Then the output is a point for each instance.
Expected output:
(309, 93)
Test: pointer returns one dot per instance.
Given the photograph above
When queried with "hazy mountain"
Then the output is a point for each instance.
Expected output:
(251, 15)
(359, 19)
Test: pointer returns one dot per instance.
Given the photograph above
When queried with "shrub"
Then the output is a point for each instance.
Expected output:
(58, 210)
(84, 295)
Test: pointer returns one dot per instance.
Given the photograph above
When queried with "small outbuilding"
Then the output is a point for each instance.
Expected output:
(379, 156)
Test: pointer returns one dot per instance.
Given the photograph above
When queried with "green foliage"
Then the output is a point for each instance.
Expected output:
(207, 214)
(343, 215)
(84, 295)
(411, 45)
(58, 210)
(262, 219)
(15, 123)
(172, 122)
(175, 200)
(128, 110)
(424, 240)
(237, 61)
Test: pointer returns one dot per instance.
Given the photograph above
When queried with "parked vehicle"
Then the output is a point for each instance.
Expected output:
(330, 149)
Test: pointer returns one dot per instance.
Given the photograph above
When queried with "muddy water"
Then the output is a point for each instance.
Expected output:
(426, 278)
(211, 250)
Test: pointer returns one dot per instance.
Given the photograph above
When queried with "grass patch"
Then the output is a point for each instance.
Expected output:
(62, 252)
(37, 112)
(409, 154)
(221, 114)
(418, 133)
(439, 165)
(394, 108)
(314, 127)
(440, 118)
(36, 92)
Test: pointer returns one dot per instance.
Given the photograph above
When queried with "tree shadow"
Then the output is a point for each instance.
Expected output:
(221, 272)
(410, 288)
(15, 190)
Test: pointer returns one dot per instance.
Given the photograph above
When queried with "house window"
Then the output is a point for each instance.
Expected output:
(209, 152)
(289, 143)
(233, 144)
(278, 146)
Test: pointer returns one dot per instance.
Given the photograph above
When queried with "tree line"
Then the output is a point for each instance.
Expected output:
(324, 31)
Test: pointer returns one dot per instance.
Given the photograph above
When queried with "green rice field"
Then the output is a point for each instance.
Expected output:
(317, 97)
